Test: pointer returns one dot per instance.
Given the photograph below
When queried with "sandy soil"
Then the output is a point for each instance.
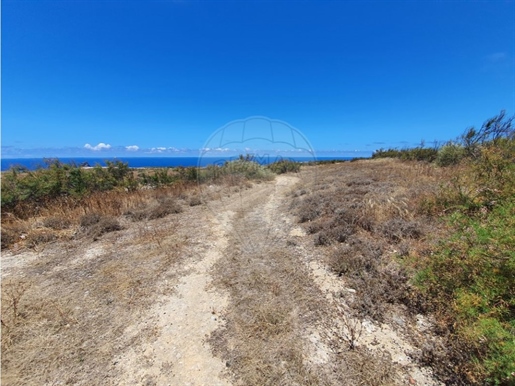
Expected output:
(179, 354)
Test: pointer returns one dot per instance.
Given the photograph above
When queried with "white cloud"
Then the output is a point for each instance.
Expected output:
(215, 149)
(100, 146)
(132, 148)
(159, 149)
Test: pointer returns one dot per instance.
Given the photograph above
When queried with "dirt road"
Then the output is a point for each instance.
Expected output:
(198, 308)
(227, 293)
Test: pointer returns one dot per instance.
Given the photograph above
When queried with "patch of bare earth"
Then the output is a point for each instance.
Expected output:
(131, 307)
(179, 354)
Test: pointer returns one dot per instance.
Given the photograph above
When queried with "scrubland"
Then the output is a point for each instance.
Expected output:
(394, 270)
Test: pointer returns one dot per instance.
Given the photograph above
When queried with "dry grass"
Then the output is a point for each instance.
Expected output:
(66, 316)
(161, 208)
(365, 218)
(378, 198)
(14, 232)
(261, 341)
(64, 217)
(104, 225)
(274, 303)
(57, 223)
(98, 265)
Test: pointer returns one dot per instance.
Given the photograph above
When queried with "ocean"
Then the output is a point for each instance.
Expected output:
(148, 162)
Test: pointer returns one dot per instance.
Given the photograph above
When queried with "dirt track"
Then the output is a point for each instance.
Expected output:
(235, 295)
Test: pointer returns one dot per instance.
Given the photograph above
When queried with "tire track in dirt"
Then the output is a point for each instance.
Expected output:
(272, 297)
(284, 318)
(180, 355)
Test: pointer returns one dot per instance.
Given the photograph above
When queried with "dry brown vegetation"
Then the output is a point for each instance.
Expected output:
(276, 308)
(83, 271)
(68, 217)
(365, 217)
(66, 316)
(93, 268)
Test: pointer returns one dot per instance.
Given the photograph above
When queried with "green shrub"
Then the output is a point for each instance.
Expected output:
(419, 153)
(59, 179)
(189, 173)
(24, 192)
(246, 167)
(157, 177)
(284, 166)
(493, 130)
(450, 154)
(470, 275)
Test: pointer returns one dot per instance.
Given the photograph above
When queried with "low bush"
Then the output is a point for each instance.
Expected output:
(419, 153)
(26, 193)
(104, 225)
(471, 279)
(359, 213)
(246, 168)
(195, 200)
(38, 237)
(41, 187)
(157, 177)
(8, 238)
(399, 229)
(284, 166)
(88, 220)
(470, 275)
(57, 223)
(376, 283)
(95, 225)
(163, 207)
(188, 174)
(450, 154)
(493, 131)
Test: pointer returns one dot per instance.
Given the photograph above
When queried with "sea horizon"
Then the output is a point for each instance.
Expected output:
(152, 161)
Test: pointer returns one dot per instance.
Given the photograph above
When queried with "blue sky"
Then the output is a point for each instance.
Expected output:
(349, 75)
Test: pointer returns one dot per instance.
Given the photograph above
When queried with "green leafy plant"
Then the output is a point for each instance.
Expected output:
(470, 276)
(450, 154)
(419, 153)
